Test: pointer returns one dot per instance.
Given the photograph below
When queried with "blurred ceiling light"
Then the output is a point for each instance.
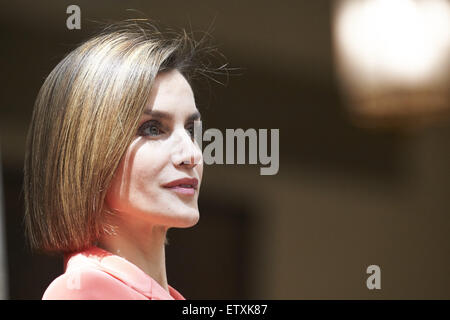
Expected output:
(393, 59)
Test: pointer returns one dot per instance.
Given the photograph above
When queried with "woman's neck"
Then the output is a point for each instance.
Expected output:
(142, 244)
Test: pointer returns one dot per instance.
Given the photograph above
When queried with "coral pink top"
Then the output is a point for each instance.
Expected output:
(96, 274)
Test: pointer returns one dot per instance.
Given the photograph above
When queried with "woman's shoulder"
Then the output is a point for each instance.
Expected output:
(98, 274)
(88, 283)
(85, 278)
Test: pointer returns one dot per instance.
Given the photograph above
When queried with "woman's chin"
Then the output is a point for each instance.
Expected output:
(179, 219)
(188, 220)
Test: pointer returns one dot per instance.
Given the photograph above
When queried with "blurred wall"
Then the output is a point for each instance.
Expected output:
(344, 198)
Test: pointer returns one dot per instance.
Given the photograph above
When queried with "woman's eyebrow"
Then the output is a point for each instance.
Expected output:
(164, 115)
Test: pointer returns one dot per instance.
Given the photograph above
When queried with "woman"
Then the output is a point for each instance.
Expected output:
(112, 163)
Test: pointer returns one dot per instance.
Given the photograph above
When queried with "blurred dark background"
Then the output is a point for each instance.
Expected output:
(344, 198)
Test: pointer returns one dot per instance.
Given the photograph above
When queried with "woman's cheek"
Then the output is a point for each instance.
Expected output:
(147, 167)
(113, 198)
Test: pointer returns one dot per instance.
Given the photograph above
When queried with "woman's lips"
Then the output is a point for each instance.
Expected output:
(183, 190)
(186, 186)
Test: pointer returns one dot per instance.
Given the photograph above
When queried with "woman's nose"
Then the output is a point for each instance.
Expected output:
(185, 152)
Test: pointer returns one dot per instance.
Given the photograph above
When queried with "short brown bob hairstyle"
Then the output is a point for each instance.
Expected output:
(85, 117)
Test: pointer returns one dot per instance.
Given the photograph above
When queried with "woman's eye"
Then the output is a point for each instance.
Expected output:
(150, 128)
(190, 130)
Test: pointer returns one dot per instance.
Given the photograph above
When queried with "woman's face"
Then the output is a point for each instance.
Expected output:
(163, 151)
